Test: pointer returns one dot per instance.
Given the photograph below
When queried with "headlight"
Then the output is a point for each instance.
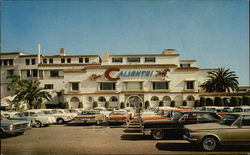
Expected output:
(11, 127)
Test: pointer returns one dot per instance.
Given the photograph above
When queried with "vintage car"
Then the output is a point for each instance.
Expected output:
(10, 127)
(89, 116)
(118, 116)
(18, 116)
(241, 109)
(61, 115)
(104, 111)
(160, 129)
(41, 118)
(234, 128)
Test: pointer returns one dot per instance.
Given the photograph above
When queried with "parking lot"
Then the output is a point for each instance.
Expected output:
(90, 139)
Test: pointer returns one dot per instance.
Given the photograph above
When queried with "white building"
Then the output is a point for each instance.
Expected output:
(114, 78)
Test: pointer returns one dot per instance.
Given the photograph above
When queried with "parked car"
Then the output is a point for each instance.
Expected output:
(76, 111)
(232, 129)
(130, 111)
(212, 108)
(19, 116)
(89, 116)
(160, 129)
(61, 115)
(41, 118)
(241, 109)
(118, 116)
(13, 127)
(104, 111)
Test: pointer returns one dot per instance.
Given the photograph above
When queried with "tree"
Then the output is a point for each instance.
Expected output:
(202, 102)
(222, 80)
(234, 101)
(184, 103)
(147, 105)
(172, 103)
(122, 105)
(31, 93)
(80, 105)
(245, 100)
(15, 83)
(196, 103)
(217, 101)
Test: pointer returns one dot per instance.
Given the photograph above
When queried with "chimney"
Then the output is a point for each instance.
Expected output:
(62, 52)
(38, 54)
(168, 51)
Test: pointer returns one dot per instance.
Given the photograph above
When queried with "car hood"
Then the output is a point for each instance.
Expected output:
(205, 126)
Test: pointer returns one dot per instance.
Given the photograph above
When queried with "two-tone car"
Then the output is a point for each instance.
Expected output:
(233, 129)
(89, 116)
(160, 129)
(41, 119)
(13, 127)
(118, 116)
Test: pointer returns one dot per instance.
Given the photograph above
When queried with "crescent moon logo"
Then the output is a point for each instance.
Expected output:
(107, 74)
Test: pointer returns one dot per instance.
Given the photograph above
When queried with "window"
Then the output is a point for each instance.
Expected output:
(160, 85)
(117, 60)
(10, 72)
(86, 60)
(48, 86)
(51, 61)
(150, 59)
(33, 61)
(190, 84)
(27, 61)
(90, 99)
(5, 62)
(107, 86)
(134, 59)
(54, 73)
(11, 62)
(68, 60)
(75, 86)
(28, 73)
(44, 61)
(154, 98)
(62, 60)
(113, 99)
(34, 73)
(185, 65)
(40, 73)
(133, 86)
(246, 121)
(80, 60)
(101, 99)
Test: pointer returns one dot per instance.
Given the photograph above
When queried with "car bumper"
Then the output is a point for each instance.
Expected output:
(192, 140)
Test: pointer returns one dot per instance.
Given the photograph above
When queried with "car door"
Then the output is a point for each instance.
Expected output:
(240, 131)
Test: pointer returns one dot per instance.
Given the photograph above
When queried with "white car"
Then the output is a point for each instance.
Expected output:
(41, 118)
(104, 111)
(60, 115)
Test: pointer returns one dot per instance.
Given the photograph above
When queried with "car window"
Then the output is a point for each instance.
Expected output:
(246, 110)
(33, 114)
(246, 121)
(17, 115)
(26, 114)
(237, 110)
(189, 117)
(204, 117)
(228, 119)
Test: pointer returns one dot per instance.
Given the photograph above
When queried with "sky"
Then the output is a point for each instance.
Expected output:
(213, 32)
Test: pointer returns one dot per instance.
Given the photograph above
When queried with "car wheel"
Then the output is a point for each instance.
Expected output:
(209, 144)
(60, 121)
(38, 124)
(158, 134)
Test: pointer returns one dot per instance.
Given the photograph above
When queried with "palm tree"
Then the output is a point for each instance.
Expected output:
(222, 80)
(15, 83)
(32, 94)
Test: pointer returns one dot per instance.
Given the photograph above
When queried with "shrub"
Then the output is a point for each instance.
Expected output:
(172, 103)
(246, 100)
(127, 104)
(217, 101)
(184, 103)
(202, 102)
(209, 102)
(95, 104)
(122, 106)
(147, 105)
(226, 102)
(80, 105)
(196, 103)
(234, 101)
(106, 104)
(66, 105)
(239, 101)
(160, 103)
(43, 106)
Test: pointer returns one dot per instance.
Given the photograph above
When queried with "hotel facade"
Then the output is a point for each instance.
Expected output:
(131, 79)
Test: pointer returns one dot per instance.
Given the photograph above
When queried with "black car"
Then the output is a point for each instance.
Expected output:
(160, 129)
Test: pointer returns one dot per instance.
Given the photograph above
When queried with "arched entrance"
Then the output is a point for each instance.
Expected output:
(134, 101)
(74, 102)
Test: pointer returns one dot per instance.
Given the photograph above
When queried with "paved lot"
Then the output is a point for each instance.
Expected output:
(60, 139)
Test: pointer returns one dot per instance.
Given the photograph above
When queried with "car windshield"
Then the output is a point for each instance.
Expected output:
(228, 120)
(118, 113)
(176, 116)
